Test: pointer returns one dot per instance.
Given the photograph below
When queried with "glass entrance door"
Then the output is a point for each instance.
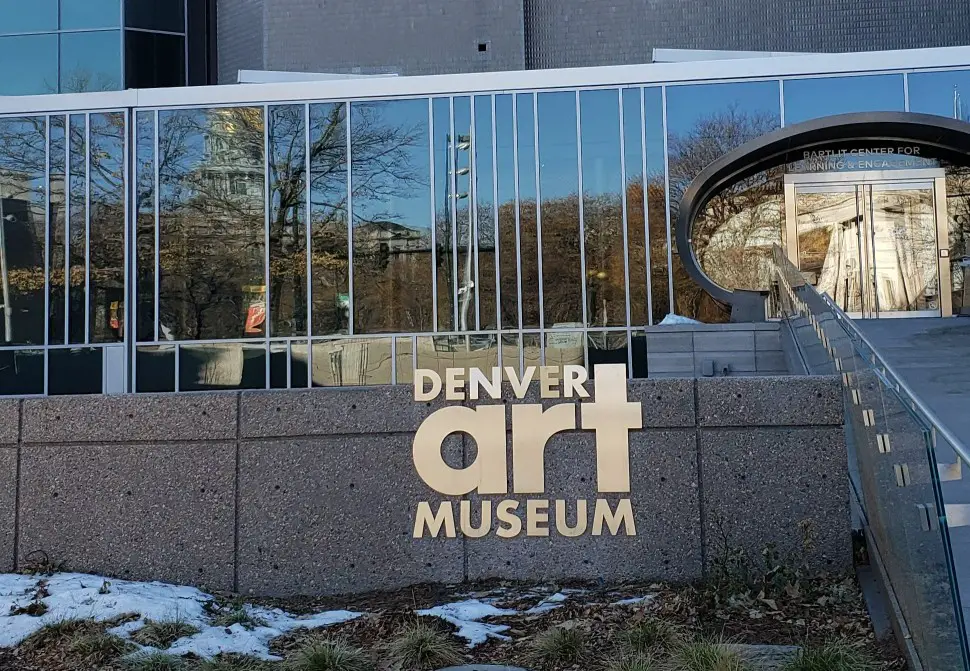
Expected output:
(872, 247)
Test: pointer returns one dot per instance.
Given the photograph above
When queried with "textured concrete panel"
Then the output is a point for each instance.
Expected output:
(663, 473)
(8, 507)
(724, 341)
(771, 362)
(670, 362)
(787, 487)
(736, 362)
(665, 403)
(769, 401)
(100, 419)
(142, 512)
(348, 410)
(670, 342)
(9, 421)
(767, 340)
(332, 515)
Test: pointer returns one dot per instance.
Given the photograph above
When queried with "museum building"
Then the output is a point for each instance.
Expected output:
(347, 232)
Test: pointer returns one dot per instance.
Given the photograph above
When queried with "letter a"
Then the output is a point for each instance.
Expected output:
(488, 473)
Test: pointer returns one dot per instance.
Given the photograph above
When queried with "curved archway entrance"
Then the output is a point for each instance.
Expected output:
(878, 189)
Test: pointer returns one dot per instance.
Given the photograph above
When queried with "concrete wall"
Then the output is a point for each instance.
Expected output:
(281, 493)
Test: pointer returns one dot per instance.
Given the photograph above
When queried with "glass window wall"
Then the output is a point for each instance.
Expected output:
(825, 96)
(733, 237)
(332, 243)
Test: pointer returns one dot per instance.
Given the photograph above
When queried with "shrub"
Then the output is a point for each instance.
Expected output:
(423, 646)
(330, 656)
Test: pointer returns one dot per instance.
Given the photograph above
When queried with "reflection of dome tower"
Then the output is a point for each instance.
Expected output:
(231, 169)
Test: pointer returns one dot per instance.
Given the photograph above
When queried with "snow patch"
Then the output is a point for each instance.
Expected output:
(549, 603)
(466, 615)
(672, 319)
(79, 596)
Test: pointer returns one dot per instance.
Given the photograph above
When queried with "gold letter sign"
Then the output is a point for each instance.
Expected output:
(610, 416)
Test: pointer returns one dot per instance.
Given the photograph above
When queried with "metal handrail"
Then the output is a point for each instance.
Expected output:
(931, 418)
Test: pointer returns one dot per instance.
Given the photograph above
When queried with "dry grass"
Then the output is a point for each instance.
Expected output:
(99, 647)
(162, 634)
(634, 662)
(420, 646)
(831, 657)
(158, 661)
(240, 615)
(329, 656)
(647, 637)
(704, 654)
(558, 646)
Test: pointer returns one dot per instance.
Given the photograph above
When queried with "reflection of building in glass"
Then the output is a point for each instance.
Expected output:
(338, 233)
(67, 46)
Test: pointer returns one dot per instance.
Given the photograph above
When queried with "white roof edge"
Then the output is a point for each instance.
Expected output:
(692, 55)
(281, 76)
(486, 82)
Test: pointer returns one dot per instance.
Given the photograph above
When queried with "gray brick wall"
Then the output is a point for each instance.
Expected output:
(407, 36)
(438, 36)
(240, 37)
(574, 33)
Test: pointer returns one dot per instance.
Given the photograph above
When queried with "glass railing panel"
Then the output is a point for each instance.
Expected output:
(895, 456)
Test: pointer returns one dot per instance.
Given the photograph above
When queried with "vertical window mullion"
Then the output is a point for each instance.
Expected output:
(536, 160)
(452, 205)
(495, 239)
(582, 224)
(473, 206)
(518, 210)
(267, 196)
(308, 168)
(87, 229)
(670, 251)
(351, 307)
(434, 221)
(626, 235)
(646, 210)
(157, 230)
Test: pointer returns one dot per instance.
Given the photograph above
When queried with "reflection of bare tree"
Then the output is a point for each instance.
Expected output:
(958, 209)
(97, 263)
(733, 236)
(213, 256)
